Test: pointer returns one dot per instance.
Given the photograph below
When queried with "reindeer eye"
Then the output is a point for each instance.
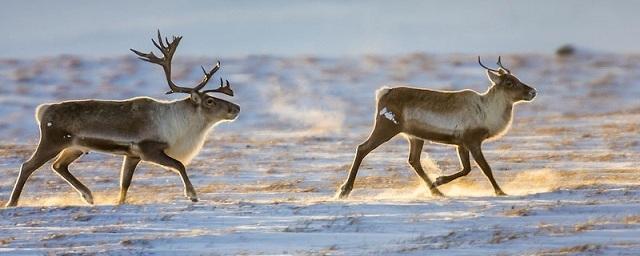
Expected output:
(209, 101)
(508, 83)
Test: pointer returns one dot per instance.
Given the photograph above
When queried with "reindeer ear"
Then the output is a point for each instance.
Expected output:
(195, 98)
(493, 77)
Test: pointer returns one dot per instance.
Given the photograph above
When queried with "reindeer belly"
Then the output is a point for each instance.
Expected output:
(438, 127)
(183, 150)
(108, 146)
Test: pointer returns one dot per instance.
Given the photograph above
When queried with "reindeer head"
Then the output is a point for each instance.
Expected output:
(214, 108)
(502, 79)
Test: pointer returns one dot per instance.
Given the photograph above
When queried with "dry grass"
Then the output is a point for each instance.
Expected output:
(631, 219)
(422, 242)
(13, 150)
(6, 241)
(572, 250)
(617, 128)
(546, 228)
(553, 130)
(279, 186)
(517, 212)
(500, 236)
(582, 227)
(53, 237)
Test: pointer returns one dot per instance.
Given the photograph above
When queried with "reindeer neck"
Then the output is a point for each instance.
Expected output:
(497, 98)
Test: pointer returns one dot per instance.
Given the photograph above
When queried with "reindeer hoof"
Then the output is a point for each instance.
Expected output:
(344, 192)
(191, 195)
(436, 193)
(439, 181)
(343, 195)
(88, 198)
(10, 205)
(500, 193)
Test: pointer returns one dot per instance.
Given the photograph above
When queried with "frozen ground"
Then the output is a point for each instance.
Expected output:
(267, 181)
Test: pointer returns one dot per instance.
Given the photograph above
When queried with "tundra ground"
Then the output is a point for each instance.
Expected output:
(570, 164)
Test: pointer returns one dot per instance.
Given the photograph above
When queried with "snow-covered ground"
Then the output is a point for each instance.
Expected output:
(571, 162)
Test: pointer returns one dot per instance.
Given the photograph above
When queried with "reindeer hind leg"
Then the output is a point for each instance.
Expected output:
(46, 151)
(414, 160)
(61, 167)
(384, 129)
(463, 156)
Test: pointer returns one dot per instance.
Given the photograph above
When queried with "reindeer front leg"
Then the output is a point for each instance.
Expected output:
(153, 151)
(476, 152)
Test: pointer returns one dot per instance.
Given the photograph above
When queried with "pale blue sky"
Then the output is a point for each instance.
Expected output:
(326, 28)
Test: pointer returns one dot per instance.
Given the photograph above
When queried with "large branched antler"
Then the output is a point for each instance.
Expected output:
(168, 49)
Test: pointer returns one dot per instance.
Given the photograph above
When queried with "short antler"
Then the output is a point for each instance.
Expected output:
(480, 62)
(500, 64)
(168, 49)
(226, 89)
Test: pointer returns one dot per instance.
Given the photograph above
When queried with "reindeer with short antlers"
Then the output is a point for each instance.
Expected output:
(461, 118)
(166, 133)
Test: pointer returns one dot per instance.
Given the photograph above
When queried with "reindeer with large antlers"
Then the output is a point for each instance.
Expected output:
(461, 118)
(167, 133)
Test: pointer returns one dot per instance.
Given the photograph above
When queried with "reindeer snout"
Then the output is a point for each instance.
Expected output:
(532, 94)
(233, 110)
